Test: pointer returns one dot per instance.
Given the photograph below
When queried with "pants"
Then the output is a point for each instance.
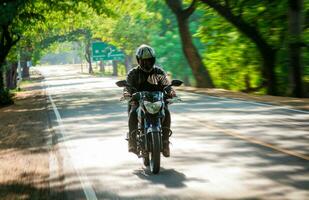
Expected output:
(166, 124)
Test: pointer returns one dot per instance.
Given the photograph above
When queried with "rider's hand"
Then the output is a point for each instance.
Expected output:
(127, 96)
(172, 94)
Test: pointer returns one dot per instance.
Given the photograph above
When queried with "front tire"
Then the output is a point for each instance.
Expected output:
(155, 153)
(146, 160)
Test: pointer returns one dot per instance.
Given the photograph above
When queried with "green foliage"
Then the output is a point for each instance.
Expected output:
(170, 55)
(121, 70)
(166, 41)
(5, 97)
(306, 49)
(230, 57)
(233, 60)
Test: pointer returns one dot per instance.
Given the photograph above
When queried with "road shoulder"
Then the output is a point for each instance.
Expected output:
(290, 102)
(25, 147)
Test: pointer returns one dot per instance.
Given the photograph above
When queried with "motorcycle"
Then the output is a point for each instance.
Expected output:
(150, 114)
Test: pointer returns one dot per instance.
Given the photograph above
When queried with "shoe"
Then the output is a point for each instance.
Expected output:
(132, 146)
(166, 149)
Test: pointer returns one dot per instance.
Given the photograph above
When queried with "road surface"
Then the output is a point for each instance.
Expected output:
(221, 148)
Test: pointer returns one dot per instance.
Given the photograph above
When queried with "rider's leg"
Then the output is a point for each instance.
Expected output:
(132, 128)
(166, 130)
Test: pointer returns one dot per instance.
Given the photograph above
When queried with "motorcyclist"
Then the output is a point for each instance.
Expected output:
(147, 77)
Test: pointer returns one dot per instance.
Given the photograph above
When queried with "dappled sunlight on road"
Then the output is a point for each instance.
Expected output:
(205, 161)
(266, 123)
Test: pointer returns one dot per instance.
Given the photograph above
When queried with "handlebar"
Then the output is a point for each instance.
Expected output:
(172, 100)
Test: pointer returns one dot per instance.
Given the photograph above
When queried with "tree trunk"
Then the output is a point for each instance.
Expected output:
(102, 67)
(88, 57)
(115, 68)
(25, 69)
(11, 76)
(268, 70)
(6, 43)
(1, 81)
(90, 71)
(2, 58)
(295, 31)
(199, 70)
(247, 83)
(26, 73)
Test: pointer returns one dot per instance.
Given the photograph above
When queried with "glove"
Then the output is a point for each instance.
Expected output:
(126, 96)
(172, 94)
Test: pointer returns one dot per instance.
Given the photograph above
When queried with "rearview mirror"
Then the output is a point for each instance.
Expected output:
(176, 82)
(122, 83)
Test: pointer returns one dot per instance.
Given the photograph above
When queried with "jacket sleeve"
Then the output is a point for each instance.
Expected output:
(130, 81)
(164, 81)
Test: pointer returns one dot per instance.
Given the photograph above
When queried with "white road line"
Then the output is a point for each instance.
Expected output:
(87, 188)
(256, 103)
(53, 162)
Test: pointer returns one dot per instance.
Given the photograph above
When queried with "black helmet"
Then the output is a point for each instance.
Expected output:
(146, 58)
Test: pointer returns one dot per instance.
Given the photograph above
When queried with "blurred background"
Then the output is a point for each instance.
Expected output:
(251, 46)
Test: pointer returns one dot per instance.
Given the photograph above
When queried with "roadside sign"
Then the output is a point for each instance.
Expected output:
(104, 51)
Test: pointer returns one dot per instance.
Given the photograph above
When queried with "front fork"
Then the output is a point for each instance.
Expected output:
(152, 127)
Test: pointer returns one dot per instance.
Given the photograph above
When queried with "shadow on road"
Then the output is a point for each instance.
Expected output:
(170, 178)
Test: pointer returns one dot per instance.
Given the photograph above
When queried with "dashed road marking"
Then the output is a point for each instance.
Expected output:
(255, 141)
(249, 139)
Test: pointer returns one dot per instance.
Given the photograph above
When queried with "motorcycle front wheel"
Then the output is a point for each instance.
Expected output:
(146, 160)
(155, 153)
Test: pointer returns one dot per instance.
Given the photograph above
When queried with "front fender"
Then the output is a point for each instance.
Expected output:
(153, 129)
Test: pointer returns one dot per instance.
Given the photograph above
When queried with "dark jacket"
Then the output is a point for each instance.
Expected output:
(155, 80)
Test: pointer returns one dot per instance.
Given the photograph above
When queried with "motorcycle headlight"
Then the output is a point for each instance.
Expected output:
(153, 108)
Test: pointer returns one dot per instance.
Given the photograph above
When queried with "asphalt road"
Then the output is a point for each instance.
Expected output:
(221, 148)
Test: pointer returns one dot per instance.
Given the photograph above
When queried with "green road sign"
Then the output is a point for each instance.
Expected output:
(103, 51)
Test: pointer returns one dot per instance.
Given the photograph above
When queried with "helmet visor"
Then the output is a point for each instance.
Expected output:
(147, 64)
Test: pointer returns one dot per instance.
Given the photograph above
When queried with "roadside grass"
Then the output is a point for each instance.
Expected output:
(7, 96)
(23, 84)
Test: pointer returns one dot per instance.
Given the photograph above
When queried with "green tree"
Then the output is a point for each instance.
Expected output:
(199, 70)
(295, 31)
(165, 39)
(253, 19)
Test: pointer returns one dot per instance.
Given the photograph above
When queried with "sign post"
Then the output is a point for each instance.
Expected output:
(103, 51)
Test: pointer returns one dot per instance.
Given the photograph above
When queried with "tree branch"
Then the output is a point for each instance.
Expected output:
(175, 6)
(16, 40)
(249, 30)
(7, 43)
(189, 11)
